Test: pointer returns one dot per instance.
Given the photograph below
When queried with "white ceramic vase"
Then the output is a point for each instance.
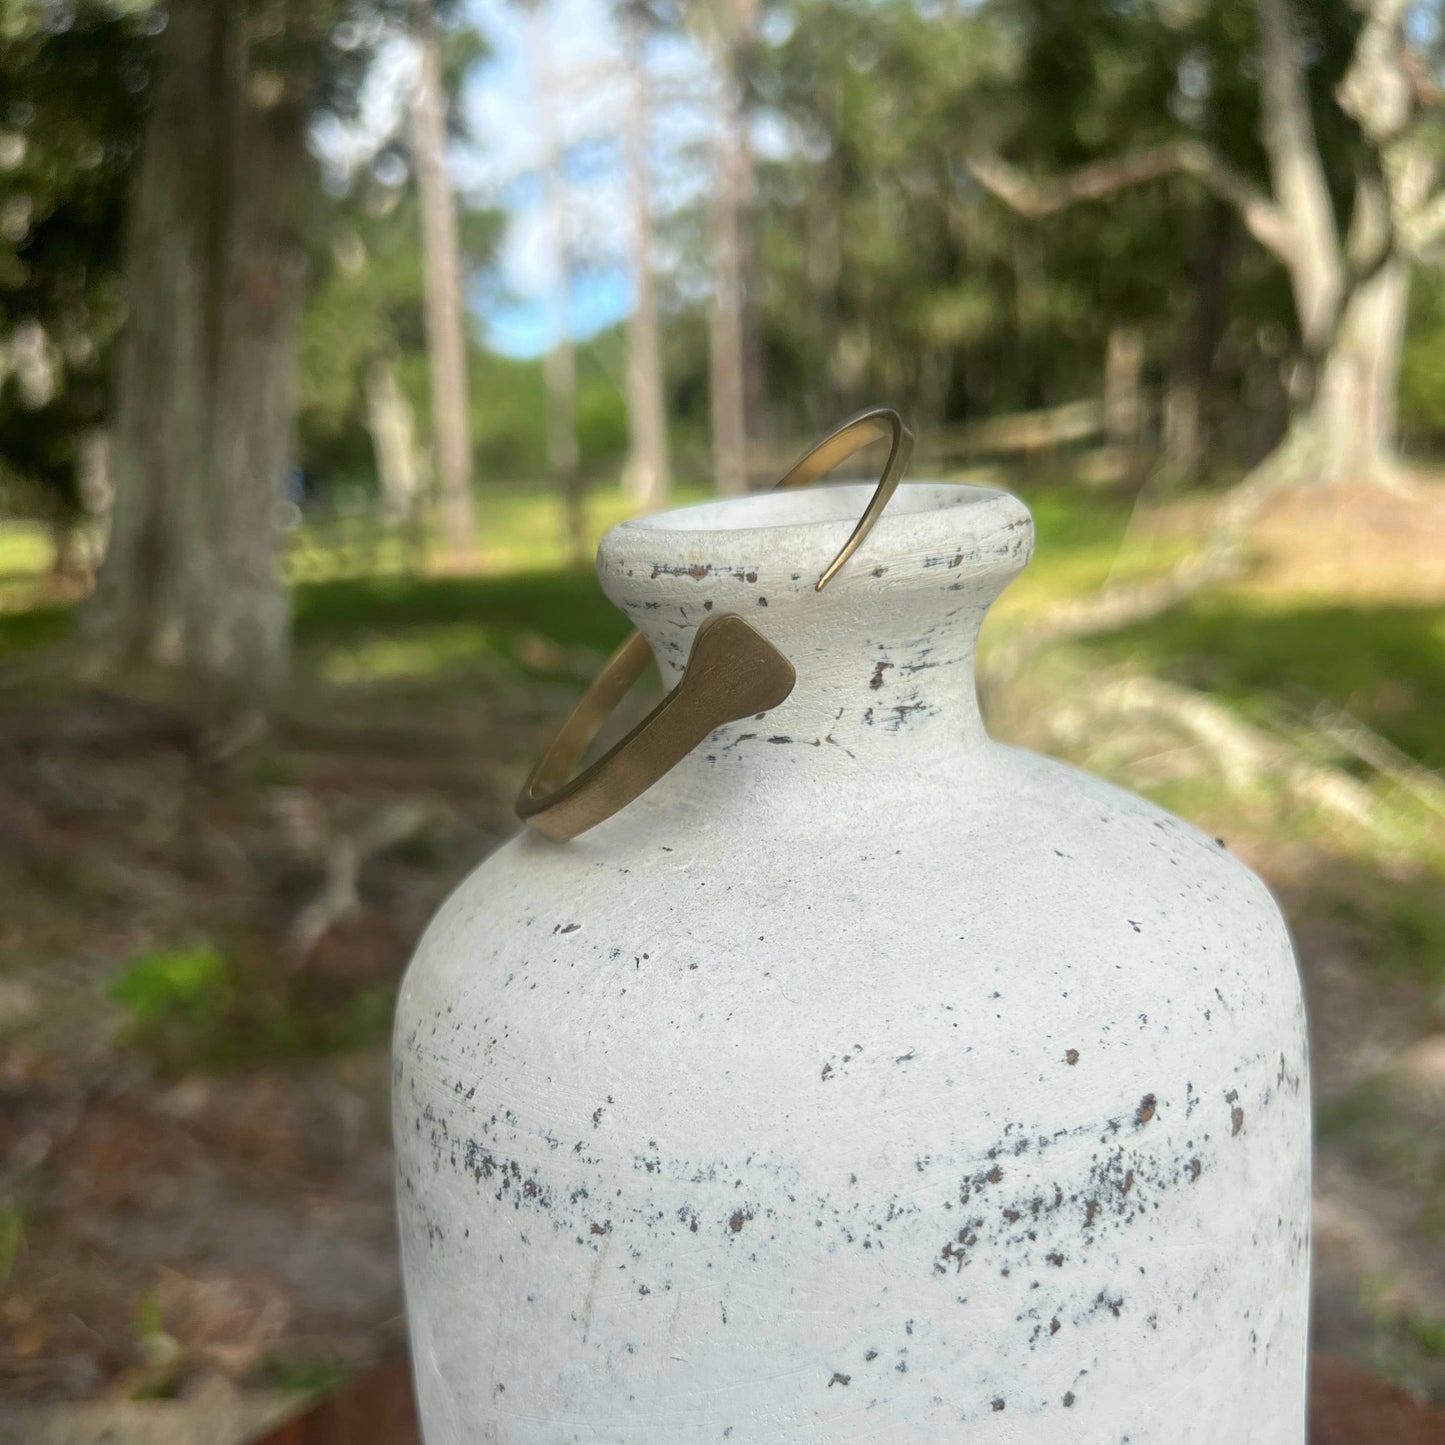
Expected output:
(865, 1080)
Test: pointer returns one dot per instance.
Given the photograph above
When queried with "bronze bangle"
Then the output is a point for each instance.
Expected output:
(732, 672)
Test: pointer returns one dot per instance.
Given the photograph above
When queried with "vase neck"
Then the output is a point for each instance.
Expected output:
(884, 655)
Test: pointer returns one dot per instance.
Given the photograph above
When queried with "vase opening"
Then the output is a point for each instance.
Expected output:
(891, 638)
(837, 504)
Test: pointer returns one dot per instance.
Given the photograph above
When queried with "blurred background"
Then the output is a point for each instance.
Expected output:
(334, 332)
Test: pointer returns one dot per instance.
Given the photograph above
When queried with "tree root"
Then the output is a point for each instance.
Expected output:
(1222, 557)
(344, 856)
(1244, 756)
(1380, 754)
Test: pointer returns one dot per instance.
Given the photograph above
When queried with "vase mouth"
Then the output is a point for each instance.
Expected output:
(829, 505)
(806, 526)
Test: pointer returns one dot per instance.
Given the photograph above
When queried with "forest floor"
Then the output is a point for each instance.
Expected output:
(198, 953)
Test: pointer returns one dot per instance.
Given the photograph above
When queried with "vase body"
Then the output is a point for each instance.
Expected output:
(865, 1080)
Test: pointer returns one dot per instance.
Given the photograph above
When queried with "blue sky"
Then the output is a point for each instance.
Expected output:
(517, 311)
(516, 308)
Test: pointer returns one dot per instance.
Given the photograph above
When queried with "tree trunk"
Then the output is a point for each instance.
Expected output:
(725, 331)
(1190, 441)
(1123, 396)
(1182, 449)
(1314, 260)
(734, 24)
(648, 477)
(202, 436)
(441, 257)
(1123, 404)
(559, 369)
(559, 375)
(822, 221)
(393, 439)
(1351, 422)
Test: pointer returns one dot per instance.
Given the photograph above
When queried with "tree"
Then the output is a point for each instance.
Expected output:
(559, 366)
(202, 437)
(870, 279)
(444, 301)
(731, 28)
(69, 130)
(1349, 283)
(219, 219)
(364, 321)
(648, 476)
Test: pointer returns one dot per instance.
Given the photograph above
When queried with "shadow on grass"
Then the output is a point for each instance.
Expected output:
(34, 627)
(567, 607)
(1385, 666)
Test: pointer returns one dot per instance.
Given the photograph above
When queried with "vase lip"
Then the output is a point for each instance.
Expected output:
(806, 526)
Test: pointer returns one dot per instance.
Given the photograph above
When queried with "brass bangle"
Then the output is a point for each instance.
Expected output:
(732, 672)
(872, 425)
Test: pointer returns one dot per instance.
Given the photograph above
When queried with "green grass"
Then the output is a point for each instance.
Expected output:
(475, 632)
(361, 618)
(12, 1240)
(1383, 665)
(33, 627)
(1081, 542)
(1404, 925)
(565, 606)
(26, 549)
(1368, 1106)
(519, 529)
(1406, 1345)
(197, 1008)
(304, 1377)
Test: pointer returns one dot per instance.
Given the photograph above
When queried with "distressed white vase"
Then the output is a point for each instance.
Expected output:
(865, 1080)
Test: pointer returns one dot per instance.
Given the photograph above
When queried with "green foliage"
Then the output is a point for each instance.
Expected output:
(1368, 1106)
(174, 987)
(365, 306)
(1402, 926)
(601, 400)
(883, 269)
(1422, 364)
(161, 1354)
(197, 1008)
(33, 628)
(1406, 1343)
(1383, 664)
(509, 428)
(878, 267)
(74, 83)
(1427, 1334)
(12, 1239)
(149, 1319)
(304, 1377)
(566, 608)
(71, 110)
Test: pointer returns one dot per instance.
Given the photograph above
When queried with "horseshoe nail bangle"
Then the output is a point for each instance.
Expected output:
(732, 672)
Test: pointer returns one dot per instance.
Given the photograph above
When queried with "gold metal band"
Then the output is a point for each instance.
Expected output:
(732, 672)
(875, 424)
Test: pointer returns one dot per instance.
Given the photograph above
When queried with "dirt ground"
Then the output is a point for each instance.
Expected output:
(1357, 543)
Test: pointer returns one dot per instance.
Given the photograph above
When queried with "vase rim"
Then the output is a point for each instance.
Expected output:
(917, 507)
(802, 529)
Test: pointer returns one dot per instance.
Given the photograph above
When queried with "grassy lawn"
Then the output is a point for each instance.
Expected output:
(363, 617)
(25, 550)
(1383, 665)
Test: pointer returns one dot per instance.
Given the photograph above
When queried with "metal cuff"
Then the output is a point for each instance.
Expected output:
(732, 672)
